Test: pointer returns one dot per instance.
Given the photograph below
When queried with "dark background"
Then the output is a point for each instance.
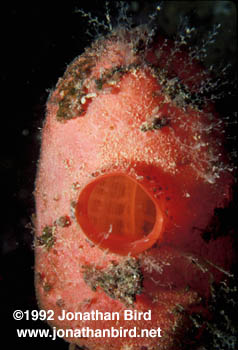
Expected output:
(38, 40)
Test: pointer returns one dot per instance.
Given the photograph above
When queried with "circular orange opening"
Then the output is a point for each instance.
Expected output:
(117, 213)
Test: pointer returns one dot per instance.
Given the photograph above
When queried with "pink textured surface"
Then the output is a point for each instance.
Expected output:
(175, 165)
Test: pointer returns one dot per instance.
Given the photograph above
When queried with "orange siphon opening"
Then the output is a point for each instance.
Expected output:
(118, 214)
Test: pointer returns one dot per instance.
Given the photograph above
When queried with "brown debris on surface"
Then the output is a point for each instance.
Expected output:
(122, 281)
